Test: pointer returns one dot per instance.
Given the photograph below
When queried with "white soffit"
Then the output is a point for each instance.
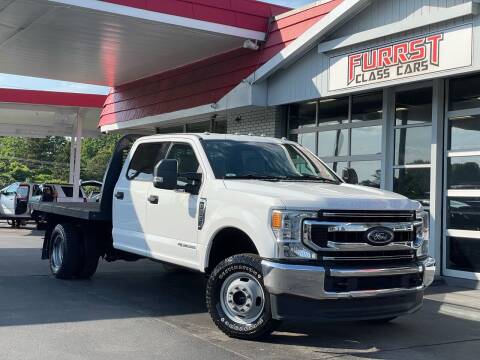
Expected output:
(94, 42)
(44, 120)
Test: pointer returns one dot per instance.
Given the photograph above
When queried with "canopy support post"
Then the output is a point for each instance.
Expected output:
(77, 157)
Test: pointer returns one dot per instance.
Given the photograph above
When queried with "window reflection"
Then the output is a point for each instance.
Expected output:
(338, 167)
(307, 140)
(463, 254)
(464, 133)
(412, 145)
(367, 107)
(333, 143)
(414, 106)
(369, 172)
(333, 111)
(464, 213)
(413, 183)
(464, 93)
(303, 115)
(367, 140)
(464, 172)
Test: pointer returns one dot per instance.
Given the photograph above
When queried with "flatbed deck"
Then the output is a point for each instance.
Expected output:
(84, 211)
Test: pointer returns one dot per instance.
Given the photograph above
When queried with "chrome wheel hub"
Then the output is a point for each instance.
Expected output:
(242, 298)
(57, 253)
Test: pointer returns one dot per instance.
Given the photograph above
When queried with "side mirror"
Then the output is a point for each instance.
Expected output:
(165, 174)
(350, 176)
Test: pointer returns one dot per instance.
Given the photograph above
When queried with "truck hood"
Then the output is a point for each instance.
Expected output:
(313, 195)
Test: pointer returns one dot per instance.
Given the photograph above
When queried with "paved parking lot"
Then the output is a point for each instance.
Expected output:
(142, 311)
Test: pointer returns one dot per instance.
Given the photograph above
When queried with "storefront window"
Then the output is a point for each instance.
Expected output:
(463, 254)
(338, 167)
(412, 145)
(464, 93)
(413, 141)
(464, 172)
(344, 136)
(414, 106)
(464, 213)
(307, 140)
(464, 132)
(414, 183)
(367, 140)
(462, 227)
(369, 172)
(333, 111)
(303, 115)
(367, 107)
(333, 143)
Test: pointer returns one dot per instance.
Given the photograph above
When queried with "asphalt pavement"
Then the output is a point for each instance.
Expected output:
(143, 310)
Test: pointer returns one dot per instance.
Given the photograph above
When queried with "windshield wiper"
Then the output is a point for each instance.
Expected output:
(312, 177)
(254, 177)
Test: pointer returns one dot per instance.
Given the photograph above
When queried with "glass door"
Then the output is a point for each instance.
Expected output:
(461, 239)
(412, 138)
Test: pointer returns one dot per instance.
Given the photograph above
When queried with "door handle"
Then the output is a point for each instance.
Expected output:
(119, 195)
(153, 199)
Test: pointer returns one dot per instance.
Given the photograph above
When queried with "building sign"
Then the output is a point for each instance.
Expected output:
(430, 53)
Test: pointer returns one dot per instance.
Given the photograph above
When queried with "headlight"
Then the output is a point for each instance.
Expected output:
(423, 233)
(287, 227)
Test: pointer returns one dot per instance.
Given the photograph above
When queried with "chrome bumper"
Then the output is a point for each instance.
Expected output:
(308, 281)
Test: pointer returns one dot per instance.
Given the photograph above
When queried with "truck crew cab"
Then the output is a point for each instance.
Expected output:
(279, 235)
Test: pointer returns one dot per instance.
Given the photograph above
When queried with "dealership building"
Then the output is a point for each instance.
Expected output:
(390, 88)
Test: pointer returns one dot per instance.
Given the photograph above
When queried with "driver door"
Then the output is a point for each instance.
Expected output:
(21, 199)
(172, 215)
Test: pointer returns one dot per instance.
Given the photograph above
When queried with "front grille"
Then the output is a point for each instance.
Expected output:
(340, 284)
(340, 236)
(366, 255)
(367, 217)
(320, 236)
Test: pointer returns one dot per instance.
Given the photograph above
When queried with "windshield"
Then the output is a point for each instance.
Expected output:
(262, 160)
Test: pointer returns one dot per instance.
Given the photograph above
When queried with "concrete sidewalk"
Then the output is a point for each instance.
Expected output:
(141, 311)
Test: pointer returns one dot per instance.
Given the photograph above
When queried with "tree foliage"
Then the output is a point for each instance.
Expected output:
(47, 159)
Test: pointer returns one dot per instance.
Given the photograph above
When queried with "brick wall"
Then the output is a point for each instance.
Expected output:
(269, 121)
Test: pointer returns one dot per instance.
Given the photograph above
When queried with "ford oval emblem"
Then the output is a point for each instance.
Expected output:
(379, 236)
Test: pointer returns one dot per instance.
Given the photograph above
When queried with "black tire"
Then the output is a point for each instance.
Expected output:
(91, 255)
(68, 238)
(236, 264)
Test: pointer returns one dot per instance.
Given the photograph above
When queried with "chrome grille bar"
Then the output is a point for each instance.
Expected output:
(354, 248)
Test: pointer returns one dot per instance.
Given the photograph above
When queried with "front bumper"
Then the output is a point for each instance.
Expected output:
(299, 291)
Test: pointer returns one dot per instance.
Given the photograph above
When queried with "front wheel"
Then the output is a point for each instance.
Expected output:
(237, 299)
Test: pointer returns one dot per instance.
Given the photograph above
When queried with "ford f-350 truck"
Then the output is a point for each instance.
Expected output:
(279, 235)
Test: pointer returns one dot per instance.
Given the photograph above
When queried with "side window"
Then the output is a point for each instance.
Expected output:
(22, 191)
(12, 189)
(67, 190)
(187, 160)
(36, 190)
(144, 159)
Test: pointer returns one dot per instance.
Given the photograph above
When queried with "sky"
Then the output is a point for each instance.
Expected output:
(24, 82)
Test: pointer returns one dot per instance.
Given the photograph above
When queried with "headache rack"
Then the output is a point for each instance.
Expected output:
(340, 236)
